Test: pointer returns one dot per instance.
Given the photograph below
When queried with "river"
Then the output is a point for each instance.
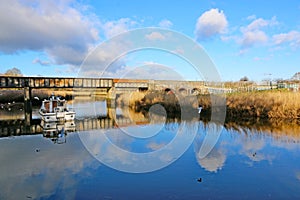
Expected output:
(138, 157)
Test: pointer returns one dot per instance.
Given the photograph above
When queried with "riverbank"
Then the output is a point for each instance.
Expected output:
(260, 104)
(264, 104)
(170, 104)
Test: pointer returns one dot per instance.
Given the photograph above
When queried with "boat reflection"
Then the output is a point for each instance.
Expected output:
(57, 131)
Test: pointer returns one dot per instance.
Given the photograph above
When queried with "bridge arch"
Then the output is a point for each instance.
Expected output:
(183, 91)
(168, 90)
(196, 91)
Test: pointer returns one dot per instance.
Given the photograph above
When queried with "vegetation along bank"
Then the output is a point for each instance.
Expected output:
(259, 104)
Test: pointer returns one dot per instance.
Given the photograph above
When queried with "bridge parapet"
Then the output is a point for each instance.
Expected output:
(53, 82)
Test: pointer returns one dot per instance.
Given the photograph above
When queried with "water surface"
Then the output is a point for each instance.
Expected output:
(250, 161)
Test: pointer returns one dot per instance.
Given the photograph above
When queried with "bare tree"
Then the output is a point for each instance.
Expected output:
(296, 76)
(13, 72)
(245, 78)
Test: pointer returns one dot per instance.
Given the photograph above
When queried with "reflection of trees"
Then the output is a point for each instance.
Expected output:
(253, 138)
(134, 116)
(277, 128)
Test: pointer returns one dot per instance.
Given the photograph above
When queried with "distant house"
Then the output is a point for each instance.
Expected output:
(290, 85)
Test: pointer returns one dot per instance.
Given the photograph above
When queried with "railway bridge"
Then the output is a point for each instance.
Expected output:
(106, 88)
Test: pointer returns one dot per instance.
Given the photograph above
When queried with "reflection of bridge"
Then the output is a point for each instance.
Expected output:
(19, 126)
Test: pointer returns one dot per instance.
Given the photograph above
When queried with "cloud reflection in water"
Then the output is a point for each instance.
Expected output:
(26, 173)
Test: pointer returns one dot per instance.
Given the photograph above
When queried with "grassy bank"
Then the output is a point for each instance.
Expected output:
(171, 103)
(268, 104)
(260, 104)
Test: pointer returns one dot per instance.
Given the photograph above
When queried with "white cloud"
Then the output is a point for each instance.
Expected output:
(252, 34)
(292, 38)
(260, 23)
(242, 52)
(113, 28)
(165, 23)
(251, 38)
(210, 23)
(155, 146)
(41, 62)
(61, 29)
(151, 71)
(47, 26)
(228, 38)
(257, 58)
(106, 58)
(251, 17)
(155, 36)
(257, 24)
(64, 55)
(178, 50)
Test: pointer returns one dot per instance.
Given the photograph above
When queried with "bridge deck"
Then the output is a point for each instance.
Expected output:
(53, 82)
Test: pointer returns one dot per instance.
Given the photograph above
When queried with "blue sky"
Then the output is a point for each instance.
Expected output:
(260, 40)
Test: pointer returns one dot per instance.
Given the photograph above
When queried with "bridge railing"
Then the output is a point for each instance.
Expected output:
(54, 82)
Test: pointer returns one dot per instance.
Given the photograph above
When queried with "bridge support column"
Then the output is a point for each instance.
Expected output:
(111, 98)
(111, 113)
(111, 104)
(27, 105)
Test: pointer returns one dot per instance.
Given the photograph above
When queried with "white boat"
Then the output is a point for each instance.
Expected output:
(55, 109)
(68, 126)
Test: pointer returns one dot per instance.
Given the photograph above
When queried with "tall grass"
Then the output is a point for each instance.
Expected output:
(260, 104)
(264, 104)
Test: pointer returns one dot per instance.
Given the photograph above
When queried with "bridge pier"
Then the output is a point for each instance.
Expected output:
(27, 105)
(111, 113)
(111, 98)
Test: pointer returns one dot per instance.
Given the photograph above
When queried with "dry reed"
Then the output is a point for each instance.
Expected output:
(260, 104)
(264, 104)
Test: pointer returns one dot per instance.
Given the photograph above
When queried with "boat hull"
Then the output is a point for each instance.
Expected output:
(51, 126)
(59, 116)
